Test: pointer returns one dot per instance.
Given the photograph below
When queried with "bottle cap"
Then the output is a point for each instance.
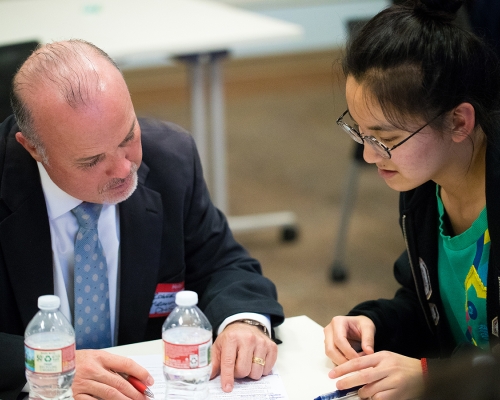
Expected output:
(48, 302)
(186, 298)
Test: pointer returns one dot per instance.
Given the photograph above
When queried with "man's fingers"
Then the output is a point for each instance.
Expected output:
(130, 367)
(108, 387)
(256, 368)
(227, 364)
(272, 356)
(262, 360)
(82, 396)
(257, 359)
(92, 360)
(95, 377)
(215, 362)
(244, 351)
(258, 362)
(244, 364)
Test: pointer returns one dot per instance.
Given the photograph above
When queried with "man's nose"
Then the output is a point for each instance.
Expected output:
(120, 167)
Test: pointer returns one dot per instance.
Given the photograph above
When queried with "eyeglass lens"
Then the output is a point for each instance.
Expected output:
(347, 123)
(351, 128)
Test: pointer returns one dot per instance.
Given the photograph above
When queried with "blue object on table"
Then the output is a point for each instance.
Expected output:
(340, 394)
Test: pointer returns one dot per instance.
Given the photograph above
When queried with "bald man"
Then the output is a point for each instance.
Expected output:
(75, 138)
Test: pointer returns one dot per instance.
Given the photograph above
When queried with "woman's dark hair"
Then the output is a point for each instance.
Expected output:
(418, 63)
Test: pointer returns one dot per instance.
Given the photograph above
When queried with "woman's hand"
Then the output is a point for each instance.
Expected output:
(385, 376)
(345, 337)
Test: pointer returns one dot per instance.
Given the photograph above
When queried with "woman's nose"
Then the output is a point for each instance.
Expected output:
(370, 154)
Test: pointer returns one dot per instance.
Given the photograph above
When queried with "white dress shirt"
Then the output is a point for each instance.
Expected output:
(63, 229)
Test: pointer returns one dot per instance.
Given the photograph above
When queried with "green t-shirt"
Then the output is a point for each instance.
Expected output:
(463, 271)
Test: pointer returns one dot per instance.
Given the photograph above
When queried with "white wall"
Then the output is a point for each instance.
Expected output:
(324, 22)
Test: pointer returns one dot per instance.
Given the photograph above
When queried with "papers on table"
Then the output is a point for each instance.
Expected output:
(268, 387)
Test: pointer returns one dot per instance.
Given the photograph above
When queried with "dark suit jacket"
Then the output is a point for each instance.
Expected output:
(170, 232)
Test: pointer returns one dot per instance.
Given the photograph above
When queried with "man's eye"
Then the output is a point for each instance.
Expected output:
(90, 164)
(128, 139)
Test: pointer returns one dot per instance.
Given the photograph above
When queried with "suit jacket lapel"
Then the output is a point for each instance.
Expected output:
(25, 233)
(141, 221)
(26, 244)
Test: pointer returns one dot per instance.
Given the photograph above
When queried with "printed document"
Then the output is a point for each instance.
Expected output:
(267, 388)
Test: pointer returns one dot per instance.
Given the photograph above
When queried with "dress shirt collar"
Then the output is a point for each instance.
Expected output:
(58, 201)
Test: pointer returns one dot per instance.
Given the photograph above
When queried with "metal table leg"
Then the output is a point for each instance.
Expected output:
(215, 166)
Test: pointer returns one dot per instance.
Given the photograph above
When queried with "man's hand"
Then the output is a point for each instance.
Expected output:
(346, 336)
(385, 375)
(234, 349)
(95, 376)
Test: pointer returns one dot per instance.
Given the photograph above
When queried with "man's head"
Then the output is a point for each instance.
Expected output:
(76, 117)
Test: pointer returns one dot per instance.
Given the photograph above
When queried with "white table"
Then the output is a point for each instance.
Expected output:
(198, 32)
(302, 363)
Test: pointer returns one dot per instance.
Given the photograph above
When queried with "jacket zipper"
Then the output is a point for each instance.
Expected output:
(414, 276)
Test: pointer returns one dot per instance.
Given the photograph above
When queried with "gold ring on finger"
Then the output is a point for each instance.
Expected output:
(258, 360)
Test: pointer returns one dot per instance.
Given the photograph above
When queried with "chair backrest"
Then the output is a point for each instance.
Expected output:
(11, 58)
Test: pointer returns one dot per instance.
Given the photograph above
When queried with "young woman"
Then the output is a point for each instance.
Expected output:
(423, 96)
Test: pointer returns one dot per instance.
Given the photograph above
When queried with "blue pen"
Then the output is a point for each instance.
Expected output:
(340, 394)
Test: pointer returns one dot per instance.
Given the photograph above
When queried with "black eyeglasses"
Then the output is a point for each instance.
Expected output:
(378, 146)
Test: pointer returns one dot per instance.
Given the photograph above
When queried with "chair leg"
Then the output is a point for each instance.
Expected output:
(338, 268)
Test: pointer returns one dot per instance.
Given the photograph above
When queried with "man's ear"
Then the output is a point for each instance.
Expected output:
(464, 120)
(30, 148)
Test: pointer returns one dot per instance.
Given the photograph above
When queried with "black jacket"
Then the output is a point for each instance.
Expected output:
(414, 323)
(170, 232)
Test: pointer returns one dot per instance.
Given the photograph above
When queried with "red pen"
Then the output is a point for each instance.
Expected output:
(141, 387)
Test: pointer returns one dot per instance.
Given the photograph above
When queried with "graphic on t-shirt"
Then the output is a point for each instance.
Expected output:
(475, 294)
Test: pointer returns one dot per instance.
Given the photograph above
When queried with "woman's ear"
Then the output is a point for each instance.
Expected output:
(464, 121)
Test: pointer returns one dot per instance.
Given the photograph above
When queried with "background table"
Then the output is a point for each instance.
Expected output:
(198, 32)
(302, 362)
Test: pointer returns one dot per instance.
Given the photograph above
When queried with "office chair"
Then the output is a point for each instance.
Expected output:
(11, 58)
(338, 268)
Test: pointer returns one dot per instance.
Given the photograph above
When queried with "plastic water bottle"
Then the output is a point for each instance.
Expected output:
(187, 345)
(49, 347)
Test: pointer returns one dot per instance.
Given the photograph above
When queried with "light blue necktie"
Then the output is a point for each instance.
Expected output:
(92, 319)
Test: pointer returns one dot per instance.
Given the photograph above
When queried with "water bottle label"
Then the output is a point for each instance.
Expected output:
(50, 361)
(187, 356)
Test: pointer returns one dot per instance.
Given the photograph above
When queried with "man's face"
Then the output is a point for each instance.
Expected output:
(93, 151)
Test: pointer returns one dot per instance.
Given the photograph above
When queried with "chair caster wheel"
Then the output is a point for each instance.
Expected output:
(338, 272)
(289, 233)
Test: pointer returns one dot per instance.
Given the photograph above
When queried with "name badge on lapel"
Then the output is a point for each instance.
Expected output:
(164, 300)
